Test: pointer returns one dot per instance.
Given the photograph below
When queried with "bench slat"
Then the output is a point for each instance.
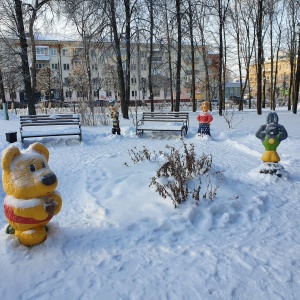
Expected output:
(181, 120)
(32, 121)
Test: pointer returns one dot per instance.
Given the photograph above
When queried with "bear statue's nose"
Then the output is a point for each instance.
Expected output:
(49, 179)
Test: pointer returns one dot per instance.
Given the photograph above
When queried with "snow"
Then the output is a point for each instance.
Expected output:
(116, 238)
(12, 201)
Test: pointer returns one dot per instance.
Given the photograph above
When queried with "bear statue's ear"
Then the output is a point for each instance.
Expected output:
(40, 148)
(7, 156)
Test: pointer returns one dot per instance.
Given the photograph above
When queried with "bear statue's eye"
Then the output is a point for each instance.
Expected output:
(43, 165)
(32, 168)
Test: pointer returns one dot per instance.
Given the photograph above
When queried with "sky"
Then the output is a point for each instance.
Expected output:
(117, 238)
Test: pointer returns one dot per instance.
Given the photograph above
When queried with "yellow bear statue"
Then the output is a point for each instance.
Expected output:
(31, 199)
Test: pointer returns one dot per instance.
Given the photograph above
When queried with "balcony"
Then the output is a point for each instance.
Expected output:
(42, 53)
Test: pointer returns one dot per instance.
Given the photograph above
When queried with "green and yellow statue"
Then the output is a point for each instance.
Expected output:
(271, 134)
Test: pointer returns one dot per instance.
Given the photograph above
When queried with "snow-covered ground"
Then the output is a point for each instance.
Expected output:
(116, 238)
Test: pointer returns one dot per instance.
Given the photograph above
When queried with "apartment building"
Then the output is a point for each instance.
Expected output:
(282, 77)
(63, 58)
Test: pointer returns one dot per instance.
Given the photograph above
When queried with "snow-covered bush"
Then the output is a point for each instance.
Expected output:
(182, 174)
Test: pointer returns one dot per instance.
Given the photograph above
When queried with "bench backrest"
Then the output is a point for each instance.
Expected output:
(64, 119)
(172, 116)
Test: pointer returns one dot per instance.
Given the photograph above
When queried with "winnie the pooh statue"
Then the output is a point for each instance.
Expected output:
(31, 199)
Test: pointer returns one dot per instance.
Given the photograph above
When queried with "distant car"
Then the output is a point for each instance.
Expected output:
(17, 104)
(282, 102)
(137, 102)
(236, 99)
(101, 103)
(214, 102)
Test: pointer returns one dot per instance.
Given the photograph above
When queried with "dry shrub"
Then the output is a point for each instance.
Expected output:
(183, 174)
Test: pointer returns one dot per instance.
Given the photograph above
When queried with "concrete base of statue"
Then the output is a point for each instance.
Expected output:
(273, 169)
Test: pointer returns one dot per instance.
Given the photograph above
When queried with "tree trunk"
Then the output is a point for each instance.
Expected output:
(193, 88)
(220, 58)
(169, 60)
(297, 79)
(24, 57)
(178, 64)
(33, 51)
(128, 51)
(260, 58)
(150, 85)
(119, 56)
(2, 96)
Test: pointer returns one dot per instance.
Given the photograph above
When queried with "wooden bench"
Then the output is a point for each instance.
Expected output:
(172, 121)
(70, 124)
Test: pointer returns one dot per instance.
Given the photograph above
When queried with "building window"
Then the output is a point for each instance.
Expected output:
(123, 51)
(54, 66)
(133, 80)
(41, 50)
(133, 67)
(53, 52)
(155, 71)
(66, 80)
(78, 51)
(108, 94)
(133, 93)
(65, 52)
(66, 67)
(156, 93)
(39, 66)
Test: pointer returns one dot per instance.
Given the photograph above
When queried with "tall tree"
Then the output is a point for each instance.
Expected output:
(151, 33)
(222, 11)
(191, 21)
(297, 79)
(24, 57)
(90, 24)
(32, 10)
(178, 62)
(2, 95)
(292, 35)
(260, 55)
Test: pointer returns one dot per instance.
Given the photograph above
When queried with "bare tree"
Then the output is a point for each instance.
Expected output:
(178, 62)
(190, 12)
(242, 20)
(292, 17)
(260, 55)
(222, 12)
(90, 23)
(24, 56)
(32, 10)
(47, 81)
(110, 79)
(151, 32)
(2, 95)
